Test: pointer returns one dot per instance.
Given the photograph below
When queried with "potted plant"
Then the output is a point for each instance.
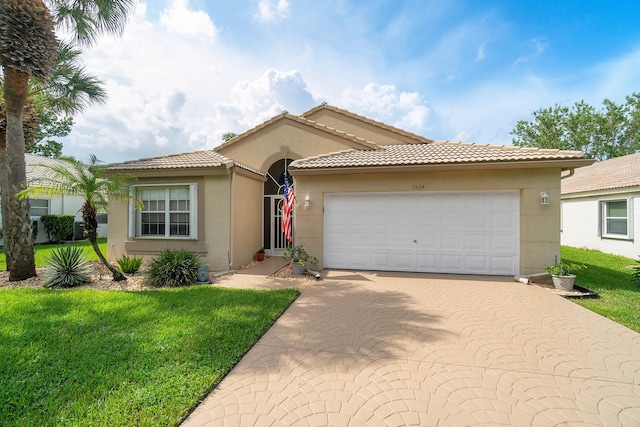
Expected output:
(260, 254)
(299, 258)
(562, 274)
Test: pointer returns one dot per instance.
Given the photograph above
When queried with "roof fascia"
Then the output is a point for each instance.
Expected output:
(530, 164)
(602, 192)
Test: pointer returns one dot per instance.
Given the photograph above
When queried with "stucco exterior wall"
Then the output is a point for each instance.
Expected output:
(539, 224)
(580, 225)
(363, 130)
(284, 139)
(246, 220)
(213, 219)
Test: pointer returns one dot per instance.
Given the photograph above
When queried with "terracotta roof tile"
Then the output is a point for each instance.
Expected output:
(197, 159)
(310, 123)
(325, 106)
(431, 154)
(619, 172)
(36, 172)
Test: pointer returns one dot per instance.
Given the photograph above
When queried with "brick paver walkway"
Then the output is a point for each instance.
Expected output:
(383, 349)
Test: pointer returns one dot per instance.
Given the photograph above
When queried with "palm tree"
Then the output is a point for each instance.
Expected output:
(90, 182)
(69, 90)
(28, 47)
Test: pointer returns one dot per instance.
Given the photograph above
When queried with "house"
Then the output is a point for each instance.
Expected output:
(48, 205)
(600, 205)
(368, 196)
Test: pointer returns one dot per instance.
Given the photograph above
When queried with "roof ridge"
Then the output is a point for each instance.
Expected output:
(509, 147)
(301, 120)
(368, 120)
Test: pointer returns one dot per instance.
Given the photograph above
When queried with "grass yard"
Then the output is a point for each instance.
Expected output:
(105, 358)
(43, 251)
(610, 276)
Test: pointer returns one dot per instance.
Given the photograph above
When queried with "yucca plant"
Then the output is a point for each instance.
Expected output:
(129, 265)
(173, 268)
(66, 267)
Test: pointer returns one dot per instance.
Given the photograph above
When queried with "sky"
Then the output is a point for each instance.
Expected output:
(184, 72)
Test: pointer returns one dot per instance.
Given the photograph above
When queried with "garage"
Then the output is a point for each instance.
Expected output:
(475, 232)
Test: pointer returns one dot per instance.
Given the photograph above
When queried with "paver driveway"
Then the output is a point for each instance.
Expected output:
(369, 349)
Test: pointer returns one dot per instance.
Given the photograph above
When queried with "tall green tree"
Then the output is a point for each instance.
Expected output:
(28, 47)
(50, 104)
(90, 182)
(612, 131)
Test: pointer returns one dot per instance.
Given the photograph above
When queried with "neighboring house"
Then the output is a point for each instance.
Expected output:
(601, 206)
(369, 196)
(65, 204)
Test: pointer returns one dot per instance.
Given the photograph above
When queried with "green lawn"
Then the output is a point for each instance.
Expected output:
(610, 276)
(43, 251)
(105, 358)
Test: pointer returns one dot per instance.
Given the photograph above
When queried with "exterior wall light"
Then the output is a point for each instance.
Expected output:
(307, 200)
(544, 198)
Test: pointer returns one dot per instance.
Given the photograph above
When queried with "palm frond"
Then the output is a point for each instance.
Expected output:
(87, 19)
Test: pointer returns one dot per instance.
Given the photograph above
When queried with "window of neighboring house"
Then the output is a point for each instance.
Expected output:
(168, 212)
(102, 218)
(617, 219)
(38, 207)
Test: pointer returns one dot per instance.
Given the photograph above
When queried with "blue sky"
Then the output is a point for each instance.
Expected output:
(186, 71)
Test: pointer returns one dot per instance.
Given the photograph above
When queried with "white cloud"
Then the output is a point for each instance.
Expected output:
(272, 10)
(480, 55)
(180, 19)
(535, 48)
(385, 103)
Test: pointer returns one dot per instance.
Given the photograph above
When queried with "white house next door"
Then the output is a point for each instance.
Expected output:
(445, 232)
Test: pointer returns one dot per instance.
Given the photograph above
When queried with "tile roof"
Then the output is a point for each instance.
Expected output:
(36, 172)
(325, 106)
(197, 159)
(619, 172)
(436, 153)
(306, 122)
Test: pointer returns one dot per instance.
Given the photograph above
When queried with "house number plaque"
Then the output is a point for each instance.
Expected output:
(415, 187)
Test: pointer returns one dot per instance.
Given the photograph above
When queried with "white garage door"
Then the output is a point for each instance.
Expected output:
(457, 232)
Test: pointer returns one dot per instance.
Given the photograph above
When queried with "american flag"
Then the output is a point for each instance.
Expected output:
(289, 200)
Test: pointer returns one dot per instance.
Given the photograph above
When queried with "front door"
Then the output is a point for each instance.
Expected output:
(274, 240)
(278, 243)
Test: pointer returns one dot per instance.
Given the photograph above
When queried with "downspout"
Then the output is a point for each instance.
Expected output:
(571, 172)
(231, 222)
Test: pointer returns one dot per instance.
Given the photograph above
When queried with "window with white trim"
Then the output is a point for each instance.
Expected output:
(168, 211)
(38, 207)
(617, 218)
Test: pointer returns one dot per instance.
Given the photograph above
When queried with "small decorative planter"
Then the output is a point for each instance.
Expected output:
(564, 283)
(298, 268)
(260, 256)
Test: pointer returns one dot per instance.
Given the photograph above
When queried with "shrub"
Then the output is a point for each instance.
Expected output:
(34, 230)
(129, 265)
(58, 227)
(299, 254)
(564, 269)
(67, 267)
(173, 268)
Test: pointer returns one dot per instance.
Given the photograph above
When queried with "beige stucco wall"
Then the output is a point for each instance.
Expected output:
(356, 127)
(539, 224)
(214, 218)
(246, 219)
(283, 139)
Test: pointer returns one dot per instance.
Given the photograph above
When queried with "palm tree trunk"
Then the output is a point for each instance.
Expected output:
(18, 235)
(4, 205)
(90, 224)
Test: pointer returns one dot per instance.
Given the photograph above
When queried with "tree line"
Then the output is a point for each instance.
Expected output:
(610, 131)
